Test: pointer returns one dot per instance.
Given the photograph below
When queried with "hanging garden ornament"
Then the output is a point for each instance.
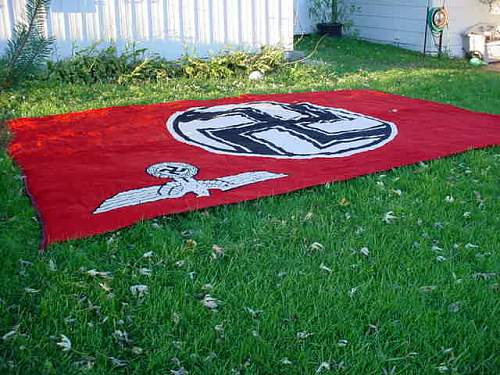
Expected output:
(438, 19)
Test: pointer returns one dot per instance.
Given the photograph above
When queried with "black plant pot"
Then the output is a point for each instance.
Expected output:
(331, 29)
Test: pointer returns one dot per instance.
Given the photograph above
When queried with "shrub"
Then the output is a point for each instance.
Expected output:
(94, 65)
(233, 64)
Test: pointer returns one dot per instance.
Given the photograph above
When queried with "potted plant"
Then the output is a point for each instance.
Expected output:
(491, 3)
(331, 16)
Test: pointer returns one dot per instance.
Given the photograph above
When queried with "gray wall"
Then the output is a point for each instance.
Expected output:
(402, 22)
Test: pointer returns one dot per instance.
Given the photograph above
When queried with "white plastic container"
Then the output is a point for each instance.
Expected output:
(475, 44)
(483, 40)
(492, 51)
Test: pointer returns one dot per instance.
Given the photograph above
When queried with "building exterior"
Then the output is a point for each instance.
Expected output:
(168, 27)
(402, 22)
(172, 28)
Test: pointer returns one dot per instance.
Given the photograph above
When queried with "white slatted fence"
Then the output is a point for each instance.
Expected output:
(167, 27)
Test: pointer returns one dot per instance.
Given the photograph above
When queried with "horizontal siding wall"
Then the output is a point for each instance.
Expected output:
(402, 22)
(168, 27)
(398, 22)
(464, 14)
(386, 21)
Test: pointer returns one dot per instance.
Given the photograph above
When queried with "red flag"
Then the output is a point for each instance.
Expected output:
(100, 170)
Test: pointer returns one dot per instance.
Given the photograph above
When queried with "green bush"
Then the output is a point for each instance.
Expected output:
(94, 65)
(233, 64)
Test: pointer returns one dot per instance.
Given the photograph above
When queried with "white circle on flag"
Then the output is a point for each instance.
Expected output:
(280, 130)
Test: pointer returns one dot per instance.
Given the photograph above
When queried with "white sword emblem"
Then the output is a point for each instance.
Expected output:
(183, 183)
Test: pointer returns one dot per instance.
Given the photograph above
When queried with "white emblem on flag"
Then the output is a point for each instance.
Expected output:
(183, 182)
(280, 130)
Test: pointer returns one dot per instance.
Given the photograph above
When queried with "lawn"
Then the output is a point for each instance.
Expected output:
(313, 281)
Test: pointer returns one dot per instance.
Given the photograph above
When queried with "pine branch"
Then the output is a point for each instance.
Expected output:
(28, 42)
(35, 14)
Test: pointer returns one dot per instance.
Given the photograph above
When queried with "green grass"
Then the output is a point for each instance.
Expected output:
(399, 308)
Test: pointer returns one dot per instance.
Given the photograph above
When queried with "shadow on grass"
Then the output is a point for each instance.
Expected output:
(348, 55)
(4, 135)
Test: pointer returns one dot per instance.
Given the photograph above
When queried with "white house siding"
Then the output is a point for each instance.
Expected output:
(167, 27)
(402, 22)
(302, 21)
(464, 14)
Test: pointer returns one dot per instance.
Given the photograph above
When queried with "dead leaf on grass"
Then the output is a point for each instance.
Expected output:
(344, 202)
(397, 192)
(105, 286)
(145, 271)
(122, 338)
(342, 343)
(322, 267)
(102, 274)
(118, 362)
(85, 363)
(191, 244)
(316, 246)
(389, 217)
(471, 246)
(217, 252)
(181, 371)
(11, 333)
(176, 318)
(139, 290)
(324, 366)
(210, 302)
(285, 361)
(52, 265)
(352, 292)
(364, 251)
(454, 307)
(483, 275)
(428, 288)
(255, 313)
(308, 216)
(65, 343)
(303, 335)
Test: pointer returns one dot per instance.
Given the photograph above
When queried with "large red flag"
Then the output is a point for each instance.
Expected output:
(100, 170)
